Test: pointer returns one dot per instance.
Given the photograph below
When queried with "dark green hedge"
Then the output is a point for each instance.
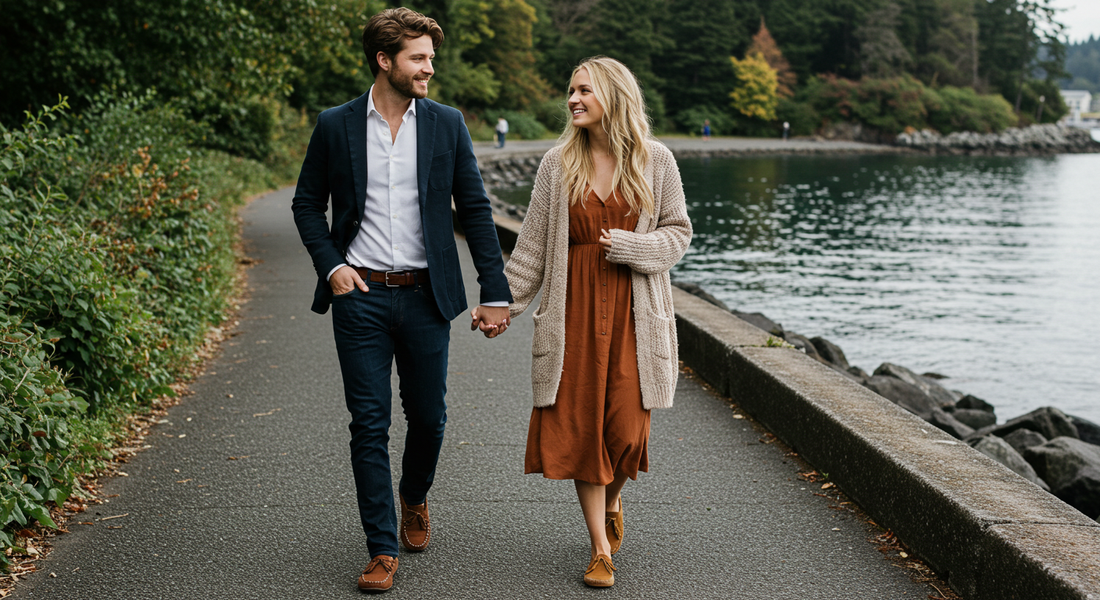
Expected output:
(116, 255)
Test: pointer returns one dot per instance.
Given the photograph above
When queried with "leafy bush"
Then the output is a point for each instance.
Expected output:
(116, 255)
(963, 109)
(691, 120)
(520, 124)
(893, 104)
(804, 120)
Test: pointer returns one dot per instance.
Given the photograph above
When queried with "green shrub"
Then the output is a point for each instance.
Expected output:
(894, 104)
(521, 125)
(963, 109)
(116, 255)
(553, 114)
(690, 121)
(804, 120)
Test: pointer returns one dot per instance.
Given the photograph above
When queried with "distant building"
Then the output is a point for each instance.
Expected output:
(1078, 102)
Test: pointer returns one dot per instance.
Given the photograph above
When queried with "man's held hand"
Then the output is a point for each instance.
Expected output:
(491, 320)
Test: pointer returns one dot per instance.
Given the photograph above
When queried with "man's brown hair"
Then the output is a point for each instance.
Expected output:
(387, 31)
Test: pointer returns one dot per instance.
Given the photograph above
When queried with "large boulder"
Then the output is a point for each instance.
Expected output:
(974, 403)
(696, 290)
(905, 395)
(1022, 439)
(802, 343)
(1049, 421)
(1086, 430)
(974, 418)
(1000, 451)
(760, 321)
(942, 419)
(943, 396)
(1083, 492)
(830, 352)
(1072, 469)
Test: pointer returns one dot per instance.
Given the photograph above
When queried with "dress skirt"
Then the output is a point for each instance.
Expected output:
(596, 429)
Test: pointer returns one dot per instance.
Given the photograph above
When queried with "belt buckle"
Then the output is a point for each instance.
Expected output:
(391, 285)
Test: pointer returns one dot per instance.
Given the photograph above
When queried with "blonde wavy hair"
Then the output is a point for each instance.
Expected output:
(627, 126)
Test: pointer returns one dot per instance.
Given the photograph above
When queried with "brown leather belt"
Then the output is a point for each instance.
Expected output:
(393, 278)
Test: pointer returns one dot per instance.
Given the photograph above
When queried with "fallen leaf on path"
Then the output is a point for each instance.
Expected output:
(271, 412)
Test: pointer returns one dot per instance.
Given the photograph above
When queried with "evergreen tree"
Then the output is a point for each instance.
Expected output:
(696, 70)
(881, 52)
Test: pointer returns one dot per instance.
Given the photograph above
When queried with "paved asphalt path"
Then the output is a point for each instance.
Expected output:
(247, 493)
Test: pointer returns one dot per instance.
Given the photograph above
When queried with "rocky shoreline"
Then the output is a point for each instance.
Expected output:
(1036, 140)
(1060, 453)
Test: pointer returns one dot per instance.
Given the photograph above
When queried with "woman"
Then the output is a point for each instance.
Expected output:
(607, 221)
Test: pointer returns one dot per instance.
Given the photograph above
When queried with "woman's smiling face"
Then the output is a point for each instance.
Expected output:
(586, 110)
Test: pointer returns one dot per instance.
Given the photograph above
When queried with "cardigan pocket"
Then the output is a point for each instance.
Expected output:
(661, 330)
(543, 337)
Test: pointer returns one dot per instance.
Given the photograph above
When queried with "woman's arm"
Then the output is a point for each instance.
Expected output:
(527, 266)
(659, 250)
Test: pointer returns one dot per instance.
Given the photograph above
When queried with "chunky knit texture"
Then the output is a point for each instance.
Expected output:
(541, 257)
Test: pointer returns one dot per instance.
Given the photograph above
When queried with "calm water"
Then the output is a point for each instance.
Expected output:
(983, 269)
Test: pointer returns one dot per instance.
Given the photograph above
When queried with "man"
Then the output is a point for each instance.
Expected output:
(391, 161)
(502, 130)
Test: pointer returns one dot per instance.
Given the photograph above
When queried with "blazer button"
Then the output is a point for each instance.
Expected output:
(355, 223)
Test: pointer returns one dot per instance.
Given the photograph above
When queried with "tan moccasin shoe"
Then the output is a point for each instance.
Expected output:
(600, 572)
(614, 524)
(378, 576)
(416, 529)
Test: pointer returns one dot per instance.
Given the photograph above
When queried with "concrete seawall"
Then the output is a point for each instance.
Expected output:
(992, 534)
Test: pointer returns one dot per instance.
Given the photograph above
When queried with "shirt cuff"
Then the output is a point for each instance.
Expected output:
(495, 304)
(335, 269)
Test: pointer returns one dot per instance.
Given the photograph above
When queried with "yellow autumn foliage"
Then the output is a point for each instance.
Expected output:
(756, 94)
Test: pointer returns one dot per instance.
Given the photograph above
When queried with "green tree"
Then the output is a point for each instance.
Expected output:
(881, 52)
(696, 73)
(756, 94)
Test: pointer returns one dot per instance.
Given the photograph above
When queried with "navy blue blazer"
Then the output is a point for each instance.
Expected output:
(336, 166)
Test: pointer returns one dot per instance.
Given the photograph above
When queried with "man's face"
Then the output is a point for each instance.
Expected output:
(411, 69)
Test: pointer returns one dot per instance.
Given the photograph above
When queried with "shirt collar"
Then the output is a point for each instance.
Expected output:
(371, 109)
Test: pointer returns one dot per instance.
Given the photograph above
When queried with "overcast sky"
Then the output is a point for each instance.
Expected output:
(1081, 18)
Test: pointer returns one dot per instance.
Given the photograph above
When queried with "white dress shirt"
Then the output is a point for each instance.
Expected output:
(391, 233)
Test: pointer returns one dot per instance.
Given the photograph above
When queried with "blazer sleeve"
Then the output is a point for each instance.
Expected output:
(311, 202)
(659, 250)
(475, 214)
(526, 268)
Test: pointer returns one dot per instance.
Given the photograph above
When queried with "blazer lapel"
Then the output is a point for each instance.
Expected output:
(425, 148)
(355, 122)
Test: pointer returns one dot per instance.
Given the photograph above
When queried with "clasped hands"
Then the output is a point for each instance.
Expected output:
(491, 320)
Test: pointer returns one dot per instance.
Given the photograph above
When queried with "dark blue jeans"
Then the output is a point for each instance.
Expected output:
(372, 329)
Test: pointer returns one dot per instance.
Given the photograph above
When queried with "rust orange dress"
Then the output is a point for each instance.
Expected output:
(597, 428)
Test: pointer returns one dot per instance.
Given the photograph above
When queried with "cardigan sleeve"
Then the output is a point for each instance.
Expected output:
(527, 266)
(660, 249)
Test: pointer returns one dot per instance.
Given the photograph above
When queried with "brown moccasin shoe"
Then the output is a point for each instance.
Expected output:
(600, 572)
(416, 529)
(378, 576)
(614, 524)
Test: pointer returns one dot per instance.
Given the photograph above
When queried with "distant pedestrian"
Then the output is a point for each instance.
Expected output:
(502, 130)
(786, 129)
(706, 130)
(607, 221)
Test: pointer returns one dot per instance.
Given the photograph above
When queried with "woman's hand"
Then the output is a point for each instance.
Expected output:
(605, 241)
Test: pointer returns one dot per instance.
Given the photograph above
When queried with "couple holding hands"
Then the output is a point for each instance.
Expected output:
(606, 222)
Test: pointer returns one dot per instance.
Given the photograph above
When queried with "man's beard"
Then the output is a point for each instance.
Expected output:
(404, 84)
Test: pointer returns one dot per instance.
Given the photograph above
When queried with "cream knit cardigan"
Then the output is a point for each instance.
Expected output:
(542, 256)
